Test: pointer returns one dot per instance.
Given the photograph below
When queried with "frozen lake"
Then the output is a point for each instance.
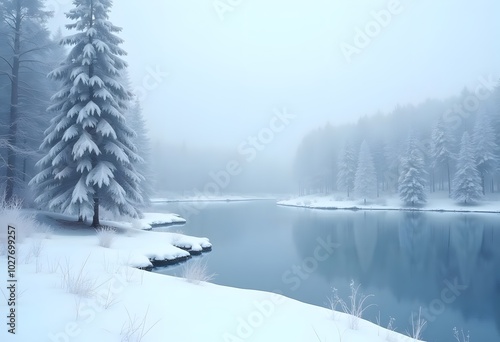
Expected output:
(446, 263)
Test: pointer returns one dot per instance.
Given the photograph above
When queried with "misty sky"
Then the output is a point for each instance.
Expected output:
(228, 72)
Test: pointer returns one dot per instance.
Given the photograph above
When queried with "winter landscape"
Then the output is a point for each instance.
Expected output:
(249, 171)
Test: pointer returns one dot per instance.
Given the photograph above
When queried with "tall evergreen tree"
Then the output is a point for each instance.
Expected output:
(392, 154)
(441, 150)
(485, 147)
(346, 168)
(26, 37)
(90, 160)
(412, 179)
(467, 180)
(365, 182)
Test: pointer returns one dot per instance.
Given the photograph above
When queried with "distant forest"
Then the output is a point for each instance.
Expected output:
(437, 126)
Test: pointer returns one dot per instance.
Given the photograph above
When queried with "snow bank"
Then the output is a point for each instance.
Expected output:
(149, 221)
(161, 219)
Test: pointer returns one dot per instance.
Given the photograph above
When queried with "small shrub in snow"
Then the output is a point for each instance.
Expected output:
(107, 298)
(355, 306)
(417, 325)
(137, 224)
(130, 273)
(105, 235)
(196, 271)
(391, 336)
(53, 265)
(79, 282)
(12, 214)
(36, 247)
(135, 328)
(460, 336)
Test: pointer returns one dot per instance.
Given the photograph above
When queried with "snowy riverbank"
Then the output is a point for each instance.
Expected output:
(436, 202)
(71, 289)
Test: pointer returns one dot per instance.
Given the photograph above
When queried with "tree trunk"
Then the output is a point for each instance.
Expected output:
(24, 163)
(95, 219)
(14, 102)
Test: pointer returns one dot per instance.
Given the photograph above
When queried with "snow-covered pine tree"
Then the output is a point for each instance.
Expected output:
(365, 181)
(441, 150)
(412, 179)
(346, 168)
(467, 180)
(90, 158)
(485, 147)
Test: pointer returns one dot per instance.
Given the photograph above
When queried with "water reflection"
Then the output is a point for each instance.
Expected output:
(415, 256)
(406, 259)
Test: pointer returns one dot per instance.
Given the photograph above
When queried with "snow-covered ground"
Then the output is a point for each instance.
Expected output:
(149, 221)
(436, 202)
(71, 289)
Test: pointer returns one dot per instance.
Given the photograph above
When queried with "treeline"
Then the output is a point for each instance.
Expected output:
(409, 148)
(28, 53)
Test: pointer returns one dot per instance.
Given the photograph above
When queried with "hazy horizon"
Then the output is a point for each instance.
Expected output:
(215, 78)
(226, 77)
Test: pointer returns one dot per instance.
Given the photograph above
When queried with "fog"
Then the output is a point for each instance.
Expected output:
(213, 74)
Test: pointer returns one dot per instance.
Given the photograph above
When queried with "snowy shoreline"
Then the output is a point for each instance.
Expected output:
(189, 245)
(229, 198)
(387, 209)
(437, 203)
(100, 294)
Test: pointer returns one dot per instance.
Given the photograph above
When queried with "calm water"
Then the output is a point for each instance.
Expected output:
(446, 263)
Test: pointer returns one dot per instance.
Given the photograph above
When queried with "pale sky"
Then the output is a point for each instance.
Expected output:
(226, 77)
